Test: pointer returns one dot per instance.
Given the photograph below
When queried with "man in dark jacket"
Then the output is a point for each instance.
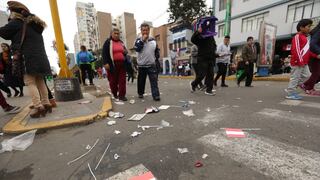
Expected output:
(34, 55)
(249, 56)
(206, 60)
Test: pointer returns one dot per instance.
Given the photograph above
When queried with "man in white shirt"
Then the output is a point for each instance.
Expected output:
(223, 60)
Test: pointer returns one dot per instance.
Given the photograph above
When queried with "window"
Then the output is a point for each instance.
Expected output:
(305, 9)
(222, 5)
(220, 30)
(253, 23)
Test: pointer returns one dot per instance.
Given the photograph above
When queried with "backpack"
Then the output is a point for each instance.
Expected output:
(83, 57)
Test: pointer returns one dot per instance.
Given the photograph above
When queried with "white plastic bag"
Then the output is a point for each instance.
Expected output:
(19, 143)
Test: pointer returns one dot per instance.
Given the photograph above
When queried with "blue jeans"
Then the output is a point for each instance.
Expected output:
(153, 78)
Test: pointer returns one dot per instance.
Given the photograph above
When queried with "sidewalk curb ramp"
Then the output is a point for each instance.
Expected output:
(18, 124)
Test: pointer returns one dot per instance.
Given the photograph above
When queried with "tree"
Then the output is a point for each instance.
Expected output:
(187, 10)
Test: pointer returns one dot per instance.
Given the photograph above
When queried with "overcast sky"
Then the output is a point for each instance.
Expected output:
(149, 10)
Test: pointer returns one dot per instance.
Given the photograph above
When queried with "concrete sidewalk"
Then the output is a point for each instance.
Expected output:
(280, 77)
(84, 111)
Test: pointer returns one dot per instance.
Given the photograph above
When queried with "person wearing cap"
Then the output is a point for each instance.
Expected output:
(34, 55)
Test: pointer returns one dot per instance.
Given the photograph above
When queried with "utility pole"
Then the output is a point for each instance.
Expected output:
(64, 70)
(227, 20)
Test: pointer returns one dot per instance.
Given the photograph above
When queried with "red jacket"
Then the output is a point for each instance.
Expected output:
(300, 52)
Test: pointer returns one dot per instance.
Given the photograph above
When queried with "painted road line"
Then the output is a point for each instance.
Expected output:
(290, 116)
(268, 157)
(301, 103)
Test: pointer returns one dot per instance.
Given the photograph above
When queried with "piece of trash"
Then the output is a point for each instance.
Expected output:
(259, 101)
(136, 117)
(117, 132)
(151, 110)
(119, 103)
(88, 147)
(104, 153)
(188, 113)
(165, 123)
(198, 164)
(91, 172)
(85, 102)
(70, 162)
(235, 133)
(204, 156)
(146, 176)
(235, 106)
(142, 100)
(111, 113)
(135, 134)
(19, 143)
(1, 134)
(60, 154)
(116, 114)
(116, 156)
(208, 109)
(191, 102)
(183, 150)
(162, 125)
(238, 98)
(110, 123)
(245, 129)
(163, 107)
(132, 101)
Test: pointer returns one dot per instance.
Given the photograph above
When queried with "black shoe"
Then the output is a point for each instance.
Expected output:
(156, 98)
(192, 88)
(140, 96)
(238, 84)
(224, 85)
(123, 99)
(16, 94)
(249, 86)
(21, 94)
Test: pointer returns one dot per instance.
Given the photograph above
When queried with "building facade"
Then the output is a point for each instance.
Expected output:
(104, 27)
(127, 26)
(246, 16)
(87, 25)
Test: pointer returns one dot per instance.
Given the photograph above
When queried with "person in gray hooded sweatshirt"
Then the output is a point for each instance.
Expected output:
(148, 62)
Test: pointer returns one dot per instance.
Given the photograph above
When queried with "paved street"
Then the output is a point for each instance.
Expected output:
(282, 138)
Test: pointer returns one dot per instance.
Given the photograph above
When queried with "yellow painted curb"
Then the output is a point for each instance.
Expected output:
(18, 123)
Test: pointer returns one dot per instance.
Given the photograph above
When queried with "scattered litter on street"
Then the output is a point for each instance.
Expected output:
(235, 106)
(110, 123)
(132, 101)
(136, 117)
(70, 162)
(119, 103)
(151, 110)
(163, 107)
(165, 124)
(235, 133)
(162, 125)
(85, 102)
(198, 164)
(208, 109)
(146, 176)
(259, 101)
(88, 147)
(104, 153)
(116, 114)
(192, 102)
(245, 129)
(183, 150)
(19, 143)
(238, 98)
(188, 113)
(91, 172)
(116, 156)
(135, 134)
(117, 132)
(204, 156)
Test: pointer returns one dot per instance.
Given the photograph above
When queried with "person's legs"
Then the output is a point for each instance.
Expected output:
(16, 92)
(3, 102)
(43, 90)
(202, 67)
(121, 81)
(142, 76)
(309, 84)
(224, 73)
(90, 73)
(294, 80)
(112, 83)
(83, 73)
(249, 74)
(153, 78)
(5, 88)
(21, 91)
(30, 81)
(209, 77)
(242, 77)
(220, 72)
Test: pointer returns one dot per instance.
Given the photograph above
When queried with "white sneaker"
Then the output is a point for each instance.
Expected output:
(210, 93)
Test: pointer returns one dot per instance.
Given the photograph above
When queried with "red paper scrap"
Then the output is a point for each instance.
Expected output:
(146, 176)
(235, 133)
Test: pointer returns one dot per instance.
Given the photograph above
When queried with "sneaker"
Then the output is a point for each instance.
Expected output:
(123, 99)
(156, 98)
(210, 93)
(203, 88)
(12, 110)
(192, 88)
(140, 96)
(313, 92)
(293, 96)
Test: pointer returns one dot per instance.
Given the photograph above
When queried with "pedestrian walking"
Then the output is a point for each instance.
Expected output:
(314, 64)
(249, 56)
(25, 32)
(84, 59)
(205, 62)
(300, 56)
(194, 64)
(7, 108)
(148, 62)
(224, 53)
(10, 79)
(113, 53)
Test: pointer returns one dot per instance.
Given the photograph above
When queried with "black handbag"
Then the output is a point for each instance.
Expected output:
(18, 66)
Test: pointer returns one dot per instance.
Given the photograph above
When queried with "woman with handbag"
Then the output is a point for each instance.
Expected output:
(29, 56)
(10, 79)
(114, 60)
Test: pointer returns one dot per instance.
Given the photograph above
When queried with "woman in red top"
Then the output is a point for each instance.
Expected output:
(113, 53)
